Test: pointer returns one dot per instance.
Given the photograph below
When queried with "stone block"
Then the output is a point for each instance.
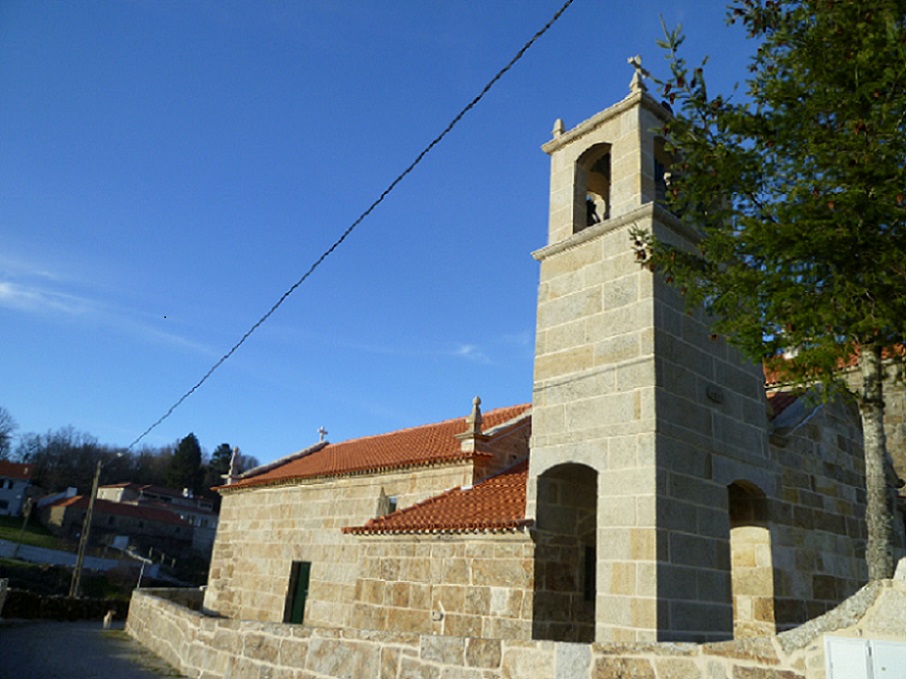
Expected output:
(446, 650)
(261, 647)
(609, 667)
(399, 594)
(483, 653)
(390, 662)
(505, 602)
(458, 625)
(572, 661)
(413, 668)
(406, 620)
(519, 663)
(343, 658)
(677, 668)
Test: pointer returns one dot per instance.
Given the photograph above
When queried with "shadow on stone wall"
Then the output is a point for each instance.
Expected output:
(209, 647)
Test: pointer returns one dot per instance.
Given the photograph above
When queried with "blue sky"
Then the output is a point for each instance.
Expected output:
(169, 168)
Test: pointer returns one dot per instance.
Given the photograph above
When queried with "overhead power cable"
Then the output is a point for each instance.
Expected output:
(359, 220)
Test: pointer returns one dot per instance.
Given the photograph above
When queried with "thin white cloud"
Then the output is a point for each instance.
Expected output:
(472, 353)
(13, 267)
(41, 300)
(35, 299)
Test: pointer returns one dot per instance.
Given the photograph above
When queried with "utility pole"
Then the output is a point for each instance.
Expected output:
(26, 512)
(75, 586)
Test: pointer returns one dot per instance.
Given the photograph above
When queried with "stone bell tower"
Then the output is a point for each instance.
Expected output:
(641, 419)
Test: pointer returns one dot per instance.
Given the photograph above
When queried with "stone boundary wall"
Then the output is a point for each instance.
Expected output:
(203, 647)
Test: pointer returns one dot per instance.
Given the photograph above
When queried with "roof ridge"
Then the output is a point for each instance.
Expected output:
(437, 424)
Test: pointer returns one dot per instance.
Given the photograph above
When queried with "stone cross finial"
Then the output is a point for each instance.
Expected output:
(233, 474)
(637, 84)
(322, 433)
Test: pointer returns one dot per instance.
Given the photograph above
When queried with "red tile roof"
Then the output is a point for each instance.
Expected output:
(122, 509)
(495, 504)
(14, 470)
(773, 373)
(418, 446)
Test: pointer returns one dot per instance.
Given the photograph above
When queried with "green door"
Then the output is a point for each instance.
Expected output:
(298, 591)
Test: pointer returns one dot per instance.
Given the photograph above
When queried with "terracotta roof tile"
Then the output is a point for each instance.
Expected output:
(417, 446)
(773, 374)
(495, 504)
(14, 470)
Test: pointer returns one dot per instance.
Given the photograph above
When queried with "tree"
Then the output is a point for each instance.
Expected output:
(7, 427)
(66, 457)
(185, 470)
(798, 192)
(220, 462)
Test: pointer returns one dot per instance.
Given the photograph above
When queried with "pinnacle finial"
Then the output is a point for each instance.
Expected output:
(559, 128)
(473, 421)
(233, 474)
(637, 84)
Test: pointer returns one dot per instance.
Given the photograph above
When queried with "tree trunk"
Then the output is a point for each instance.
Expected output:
(878, 516)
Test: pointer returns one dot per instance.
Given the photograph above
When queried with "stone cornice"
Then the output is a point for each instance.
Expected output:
(645, 213)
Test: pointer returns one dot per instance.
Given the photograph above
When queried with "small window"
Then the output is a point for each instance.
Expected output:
(4, 504)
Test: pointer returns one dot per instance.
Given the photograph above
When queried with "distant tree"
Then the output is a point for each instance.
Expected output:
(185, 468)
(7, 427)
(216, 469)
(798, 192)
(149, 465)
(65, 458)
(246, 463)
(220, 461)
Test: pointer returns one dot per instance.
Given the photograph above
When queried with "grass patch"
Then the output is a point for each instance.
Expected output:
(35, 534)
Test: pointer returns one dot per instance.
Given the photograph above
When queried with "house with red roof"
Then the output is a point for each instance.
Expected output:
(652, 491)
(145, 526)
(197, 511)
(15, 479)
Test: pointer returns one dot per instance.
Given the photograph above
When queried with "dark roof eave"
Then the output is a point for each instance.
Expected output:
(501, 527)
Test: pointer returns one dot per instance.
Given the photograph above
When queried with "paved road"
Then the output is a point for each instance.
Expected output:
(74, 650)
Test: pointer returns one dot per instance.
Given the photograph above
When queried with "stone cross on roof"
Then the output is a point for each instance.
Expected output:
(638, 83)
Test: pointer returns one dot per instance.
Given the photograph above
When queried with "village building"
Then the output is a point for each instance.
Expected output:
(196, 511)
(652, 491)
(15, 479)
(145, 527)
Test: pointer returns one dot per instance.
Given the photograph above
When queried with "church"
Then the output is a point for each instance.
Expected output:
(656, 488)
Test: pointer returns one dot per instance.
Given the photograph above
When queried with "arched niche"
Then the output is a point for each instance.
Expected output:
(592, 184)
(751, 559)
(565, 554)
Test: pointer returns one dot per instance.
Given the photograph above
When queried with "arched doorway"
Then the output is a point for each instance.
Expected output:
(752, 566)
(565, 554)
